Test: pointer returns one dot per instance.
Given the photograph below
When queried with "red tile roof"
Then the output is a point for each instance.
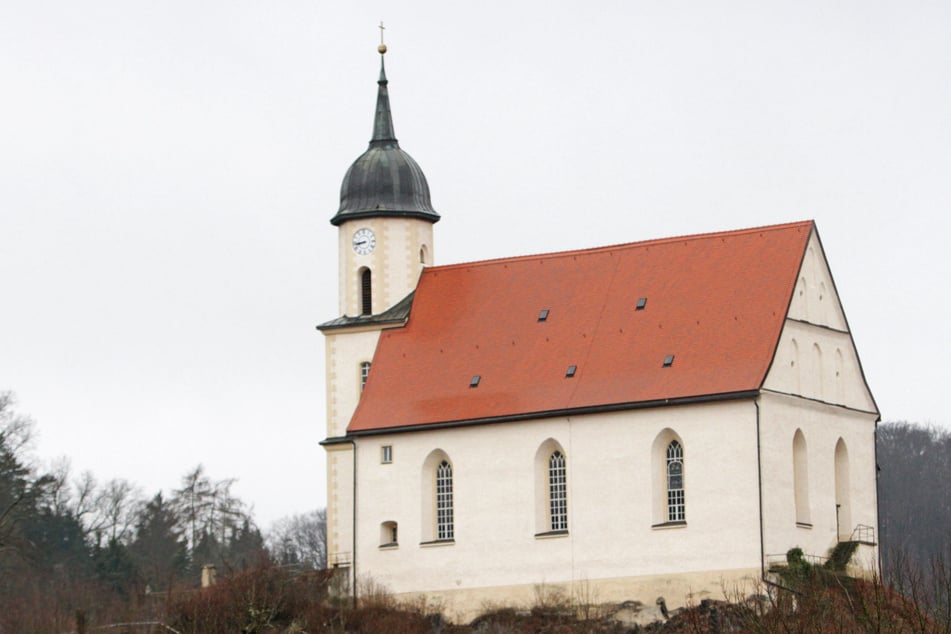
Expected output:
(717, 302)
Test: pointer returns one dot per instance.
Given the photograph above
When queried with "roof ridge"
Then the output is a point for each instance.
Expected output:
(623, 245)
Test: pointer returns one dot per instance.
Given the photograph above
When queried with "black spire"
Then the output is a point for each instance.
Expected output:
(383, 121)
(384, 181)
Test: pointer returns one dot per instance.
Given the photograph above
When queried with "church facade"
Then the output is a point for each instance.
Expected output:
(658, 418)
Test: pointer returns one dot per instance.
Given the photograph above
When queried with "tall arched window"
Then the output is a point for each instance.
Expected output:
(794, 365)
(444, 519)
(818, 378)
(437, 519)
(676, 505)
(843, 494)
(557, 492)
(839, 379)
(366, 292)
(801, 478)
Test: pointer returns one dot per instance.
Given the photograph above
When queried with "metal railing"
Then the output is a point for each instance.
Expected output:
(776, 561)
(863, 534)
(338, 560)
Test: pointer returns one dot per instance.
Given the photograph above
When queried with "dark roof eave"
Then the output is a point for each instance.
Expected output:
(575, 411)
(355, 322)
(396, 315)
(343, 216)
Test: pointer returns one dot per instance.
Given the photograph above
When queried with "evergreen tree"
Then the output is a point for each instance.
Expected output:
(159, 549)
(116, 568)
(246, 548)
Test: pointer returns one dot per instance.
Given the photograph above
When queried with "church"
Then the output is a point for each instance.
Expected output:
(665, 417)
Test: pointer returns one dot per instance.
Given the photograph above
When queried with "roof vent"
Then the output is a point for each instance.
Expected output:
(543, 316)
(475, 381)
(668, 360)
(641, 303)
(571, 371)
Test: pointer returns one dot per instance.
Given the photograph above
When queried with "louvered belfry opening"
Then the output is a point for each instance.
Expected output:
(366, 292)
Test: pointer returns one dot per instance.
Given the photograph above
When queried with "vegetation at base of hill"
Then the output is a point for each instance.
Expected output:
(280, 600)
(78, 554)
(71, 543)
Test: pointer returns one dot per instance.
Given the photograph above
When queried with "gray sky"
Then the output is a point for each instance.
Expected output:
(168, 171)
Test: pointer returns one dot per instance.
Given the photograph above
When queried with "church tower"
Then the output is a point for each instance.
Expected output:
(385, 220)
(385, 238)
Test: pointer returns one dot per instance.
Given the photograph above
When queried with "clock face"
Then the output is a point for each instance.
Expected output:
(364, 241)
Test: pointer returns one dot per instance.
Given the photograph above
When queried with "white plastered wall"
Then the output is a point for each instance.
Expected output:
(822, 426)
(394, 263)
(612, 543)
(344, 351)
(815, 385)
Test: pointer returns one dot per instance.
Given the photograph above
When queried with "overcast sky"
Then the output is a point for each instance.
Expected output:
(168, 171)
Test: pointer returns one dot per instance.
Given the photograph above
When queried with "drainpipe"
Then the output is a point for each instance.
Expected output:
(353, 529)
(838, 531)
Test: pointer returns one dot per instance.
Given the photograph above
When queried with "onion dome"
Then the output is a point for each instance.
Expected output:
(385, 181)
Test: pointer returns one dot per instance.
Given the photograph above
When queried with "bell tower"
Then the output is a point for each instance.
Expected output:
(385, 220)
(385, 238)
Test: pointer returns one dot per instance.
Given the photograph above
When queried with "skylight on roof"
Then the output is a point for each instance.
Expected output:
(641, 303)
(475, 381)
(571, 371)
(668, 360)
(543, 316)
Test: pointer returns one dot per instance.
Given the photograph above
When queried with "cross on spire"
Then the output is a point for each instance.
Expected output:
(382, 46)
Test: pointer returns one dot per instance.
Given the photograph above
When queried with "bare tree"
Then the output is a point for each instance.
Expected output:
(207, 507)
(300, 539)
(18, 489)
(117, 505)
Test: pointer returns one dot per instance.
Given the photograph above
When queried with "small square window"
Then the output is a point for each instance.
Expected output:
(386, 454)
(641, 303)
(668, 360)
(475, 381)
(543, 316)
(571, 371)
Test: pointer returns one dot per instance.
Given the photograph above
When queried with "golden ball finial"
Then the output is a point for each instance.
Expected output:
(381, 48)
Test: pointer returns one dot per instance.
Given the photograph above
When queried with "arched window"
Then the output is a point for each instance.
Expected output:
(804, 295)
(423, 254)
(676, 506)
(389, 535)
(436, 496)
(551, 489)
(557, 492)
(839, 379)
(843, 497)
(366, 292)
(801, 478)
(817, 374)
(794, 365)
(444, 519)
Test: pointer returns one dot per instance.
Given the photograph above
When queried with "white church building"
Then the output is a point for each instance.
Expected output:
(656, 418)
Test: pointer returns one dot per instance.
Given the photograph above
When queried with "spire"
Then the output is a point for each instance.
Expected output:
(384, 181)
(383, 134)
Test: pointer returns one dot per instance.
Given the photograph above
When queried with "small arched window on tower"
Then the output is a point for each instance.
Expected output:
(366, 292)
